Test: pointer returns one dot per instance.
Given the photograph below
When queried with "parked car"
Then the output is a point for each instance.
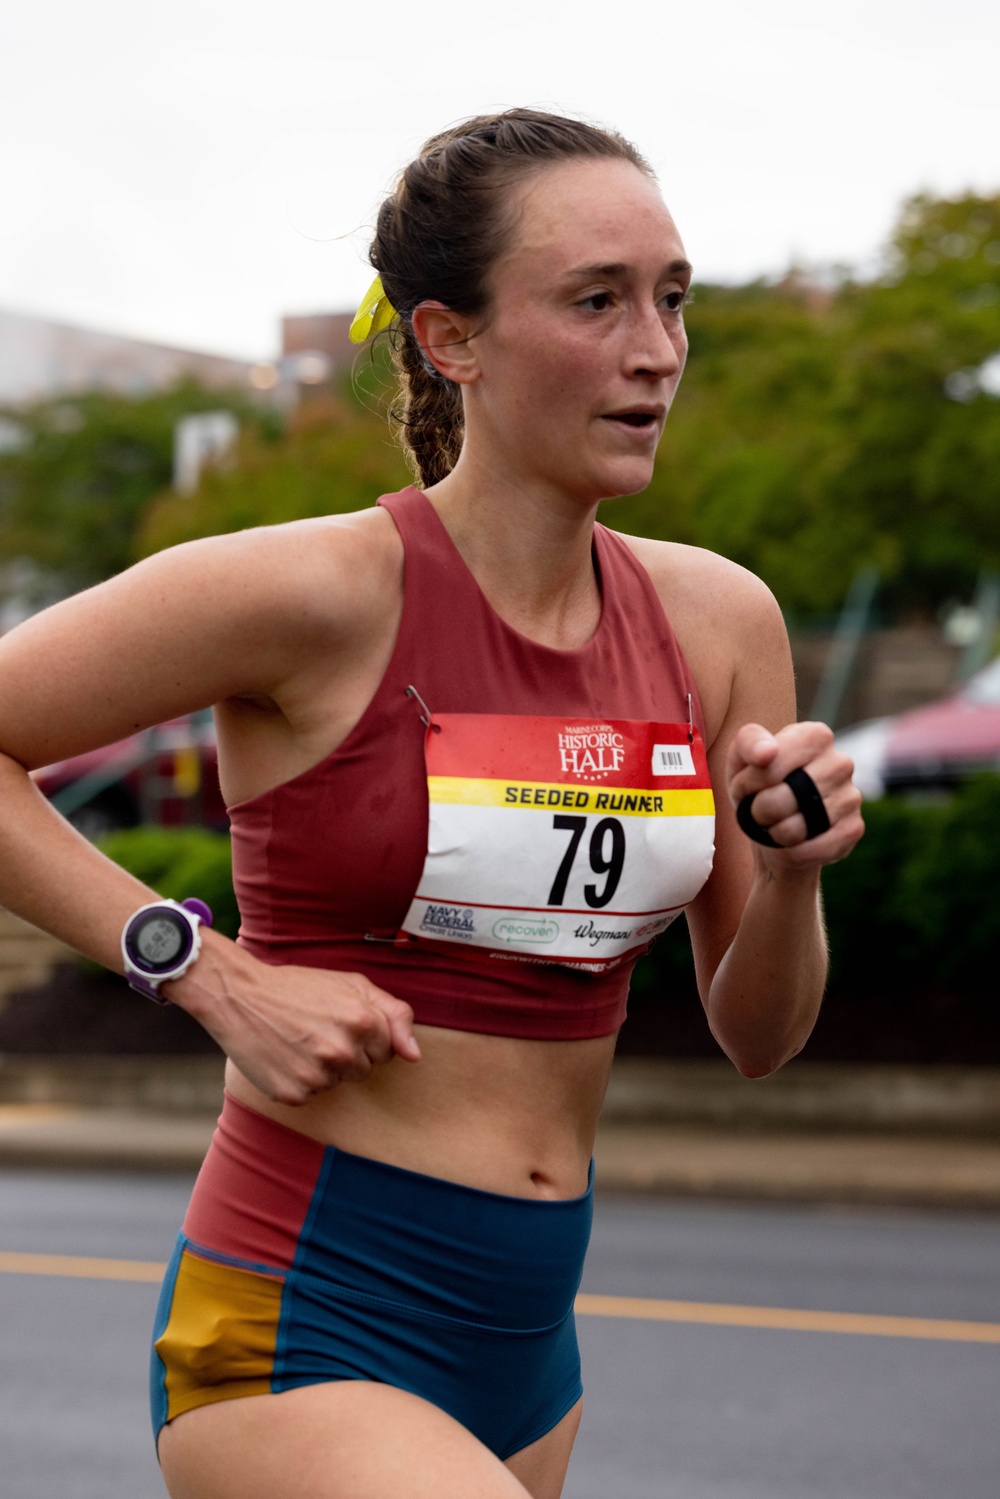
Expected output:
(167, 775)
(933, 747)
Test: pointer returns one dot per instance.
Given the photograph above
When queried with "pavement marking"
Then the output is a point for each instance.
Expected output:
(788, 1319)
(81, 1266)
(640, 1308)
(15, 1114)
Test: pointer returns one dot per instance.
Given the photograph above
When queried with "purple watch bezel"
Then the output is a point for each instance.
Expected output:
(141, 976)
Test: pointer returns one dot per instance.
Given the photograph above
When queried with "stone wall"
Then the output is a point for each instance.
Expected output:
(27, 956)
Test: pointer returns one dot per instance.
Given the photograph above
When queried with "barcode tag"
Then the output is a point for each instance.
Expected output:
(673, 760)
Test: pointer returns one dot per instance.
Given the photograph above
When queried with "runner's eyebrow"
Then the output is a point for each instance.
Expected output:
(619, 268)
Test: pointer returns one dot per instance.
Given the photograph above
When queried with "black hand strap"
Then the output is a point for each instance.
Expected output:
(806, 793)
(810, 802)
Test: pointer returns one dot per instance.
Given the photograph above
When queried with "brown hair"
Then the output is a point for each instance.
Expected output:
(438, 235)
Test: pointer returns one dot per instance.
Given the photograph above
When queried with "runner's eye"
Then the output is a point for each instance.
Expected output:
(676, 301)
(597, 301)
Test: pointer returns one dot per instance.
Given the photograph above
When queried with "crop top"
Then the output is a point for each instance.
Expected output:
(327, 865)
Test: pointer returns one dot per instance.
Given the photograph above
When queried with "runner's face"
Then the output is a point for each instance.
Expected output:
(585, 344)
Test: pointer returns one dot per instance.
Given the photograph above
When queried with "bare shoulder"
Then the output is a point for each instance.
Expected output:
(702, 584)
(316, 573)
(726, 620)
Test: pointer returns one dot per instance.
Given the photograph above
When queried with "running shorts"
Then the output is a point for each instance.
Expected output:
(300, 1263)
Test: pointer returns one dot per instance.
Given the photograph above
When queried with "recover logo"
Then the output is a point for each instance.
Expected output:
(526, 929)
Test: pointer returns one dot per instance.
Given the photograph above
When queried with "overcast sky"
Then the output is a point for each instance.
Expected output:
(189, 171)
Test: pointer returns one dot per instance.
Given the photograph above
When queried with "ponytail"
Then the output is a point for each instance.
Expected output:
(427, 416)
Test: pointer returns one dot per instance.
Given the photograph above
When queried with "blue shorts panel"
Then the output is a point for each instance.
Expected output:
(505, 1387)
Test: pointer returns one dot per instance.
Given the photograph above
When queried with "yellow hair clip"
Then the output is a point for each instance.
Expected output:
(374, 313)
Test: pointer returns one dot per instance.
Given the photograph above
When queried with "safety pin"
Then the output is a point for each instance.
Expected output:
(425, 717)
(690, 720)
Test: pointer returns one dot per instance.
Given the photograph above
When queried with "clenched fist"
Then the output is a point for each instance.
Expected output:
(294, 1032)
(757, 765)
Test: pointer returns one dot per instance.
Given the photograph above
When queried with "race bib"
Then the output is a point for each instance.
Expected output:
(569, 841)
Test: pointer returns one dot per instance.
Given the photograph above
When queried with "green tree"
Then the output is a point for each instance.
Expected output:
(336, 456)
(75, 486)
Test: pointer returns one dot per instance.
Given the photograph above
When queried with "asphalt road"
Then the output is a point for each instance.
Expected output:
(674, 1410)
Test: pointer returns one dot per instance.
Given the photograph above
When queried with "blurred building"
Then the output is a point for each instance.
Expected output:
(203, 437)
(40, 358)
(322, 336)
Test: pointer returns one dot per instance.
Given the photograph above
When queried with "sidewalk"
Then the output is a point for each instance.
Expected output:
(877, 1169)
(102, 1139)
(874, 1169)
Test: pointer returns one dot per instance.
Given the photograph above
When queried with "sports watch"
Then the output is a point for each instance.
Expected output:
(160, 942)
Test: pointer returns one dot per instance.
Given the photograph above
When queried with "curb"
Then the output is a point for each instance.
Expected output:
(66, 1138)
(874, 1170)
(863, 1169)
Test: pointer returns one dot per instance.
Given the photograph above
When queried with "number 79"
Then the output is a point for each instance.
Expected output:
(612, 866)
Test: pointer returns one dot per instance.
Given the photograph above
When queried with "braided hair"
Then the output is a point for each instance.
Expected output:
(437, 237)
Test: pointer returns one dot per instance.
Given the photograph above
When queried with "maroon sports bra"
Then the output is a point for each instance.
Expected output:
(326, 865)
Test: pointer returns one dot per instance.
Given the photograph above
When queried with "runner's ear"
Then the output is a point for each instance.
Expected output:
(445, 337)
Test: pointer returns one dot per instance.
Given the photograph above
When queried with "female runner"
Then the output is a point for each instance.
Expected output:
(463, 740)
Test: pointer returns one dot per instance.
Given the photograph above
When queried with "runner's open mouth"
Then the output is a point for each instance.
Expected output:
(632, 418)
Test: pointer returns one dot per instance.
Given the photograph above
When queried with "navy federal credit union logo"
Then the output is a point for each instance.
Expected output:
(449, 921)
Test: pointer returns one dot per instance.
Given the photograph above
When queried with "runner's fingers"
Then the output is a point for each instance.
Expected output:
(399, 1019)
(370, 1027)
(353, 1070)
(752, 746)
(377, 1040)
(774, 805)
(799, 746)
(344, 1055)
(828, 771)
(830, 774)
(829, 848)
(843, 803)
(306, 1080)
(777, 810)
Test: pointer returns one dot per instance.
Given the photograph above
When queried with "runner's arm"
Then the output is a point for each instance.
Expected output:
(756, 928)
(187, 628)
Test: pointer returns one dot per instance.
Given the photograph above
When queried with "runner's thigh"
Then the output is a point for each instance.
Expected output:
(346, 1440)
(542, 1466)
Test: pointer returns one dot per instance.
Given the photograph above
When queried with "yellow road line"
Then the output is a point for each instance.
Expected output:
(82, 1266)
(788, 1319)
(646, 1309)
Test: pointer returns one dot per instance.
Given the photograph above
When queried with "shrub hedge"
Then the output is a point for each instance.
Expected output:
(914, 923)
(918, 902)
(177, 862)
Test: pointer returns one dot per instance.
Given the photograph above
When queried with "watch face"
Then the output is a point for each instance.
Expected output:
(158, 941)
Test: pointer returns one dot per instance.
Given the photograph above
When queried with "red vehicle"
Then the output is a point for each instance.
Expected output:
(167, 775)
(936, 746)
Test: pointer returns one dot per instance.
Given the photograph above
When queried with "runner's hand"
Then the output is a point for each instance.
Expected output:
(758, 762)
(293, 1032)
